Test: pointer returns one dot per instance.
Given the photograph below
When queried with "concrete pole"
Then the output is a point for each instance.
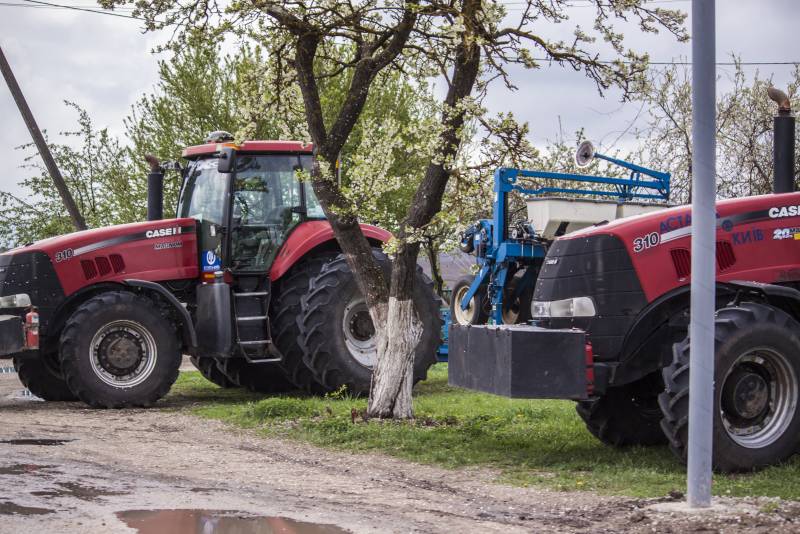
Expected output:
(701, 329)
(44, 151)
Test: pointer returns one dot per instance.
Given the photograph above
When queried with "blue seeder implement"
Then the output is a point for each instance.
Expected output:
(497, 249)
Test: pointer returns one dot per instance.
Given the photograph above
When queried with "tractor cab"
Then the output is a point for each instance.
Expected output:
(246, 199)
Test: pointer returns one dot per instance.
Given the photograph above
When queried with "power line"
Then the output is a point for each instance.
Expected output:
(78, 8)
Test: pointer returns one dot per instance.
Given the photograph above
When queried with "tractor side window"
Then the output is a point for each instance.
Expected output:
(313, 207)
(264, 192)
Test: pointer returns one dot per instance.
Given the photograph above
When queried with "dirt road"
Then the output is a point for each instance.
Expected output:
(101, 462)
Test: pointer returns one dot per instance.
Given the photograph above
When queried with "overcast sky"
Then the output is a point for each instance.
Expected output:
(105, 64)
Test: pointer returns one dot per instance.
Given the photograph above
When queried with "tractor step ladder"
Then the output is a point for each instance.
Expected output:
(252, 326)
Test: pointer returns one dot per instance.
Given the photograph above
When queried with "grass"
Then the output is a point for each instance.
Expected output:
(528, 441)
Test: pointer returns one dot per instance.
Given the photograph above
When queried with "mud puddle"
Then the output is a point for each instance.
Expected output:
(10, 508)
(217, 522)
(23, 469)
(35, 441)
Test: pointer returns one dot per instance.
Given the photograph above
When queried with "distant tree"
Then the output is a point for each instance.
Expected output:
(744, 131)
(98, 173)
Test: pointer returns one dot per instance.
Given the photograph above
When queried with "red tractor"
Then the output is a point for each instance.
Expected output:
(610, 323)
(247, 278)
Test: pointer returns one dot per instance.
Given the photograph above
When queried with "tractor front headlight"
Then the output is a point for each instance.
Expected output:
(574, 307)
(15, 301)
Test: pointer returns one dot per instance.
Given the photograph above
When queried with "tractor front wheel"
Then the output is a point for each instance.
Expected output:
(756, 389)
(41, 374)
(626, 415)
(118, 351)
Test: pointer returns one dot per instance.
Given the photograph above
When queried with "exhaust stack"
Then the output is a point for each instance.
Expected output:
(155, 189)
(783, 143)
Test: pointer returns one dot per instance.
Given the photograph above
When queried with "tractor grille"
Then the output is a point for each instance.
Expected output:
(682, 259)
(102, 266)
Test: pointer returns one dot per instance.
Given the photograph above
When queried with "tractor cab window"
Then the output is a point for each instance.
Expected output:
(266, 195)
(313, 207)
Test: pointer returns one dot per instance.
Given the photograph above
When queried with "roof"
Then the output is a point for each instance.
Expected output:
(250, 146)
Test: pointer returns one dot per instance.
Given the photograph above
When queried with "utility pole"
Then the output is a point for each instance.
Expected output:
(704, 190)
(44, 151)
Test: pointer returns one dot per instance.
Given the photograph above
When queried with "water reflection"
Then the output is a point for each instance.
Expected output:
(217, 522)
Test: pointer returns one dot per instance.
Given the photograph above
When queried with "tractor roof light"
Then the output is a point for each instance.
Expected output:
(219, 136)
(15, 301)
(572, 307)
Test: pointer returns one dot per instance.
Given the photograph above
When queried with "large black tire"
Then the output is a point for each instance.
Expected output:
(256, 377)
(756, 389)
(331, 353)
(42, 375)
(479, 308)
(118, 350)
(211, 372)
(286, 310)
(626, 415)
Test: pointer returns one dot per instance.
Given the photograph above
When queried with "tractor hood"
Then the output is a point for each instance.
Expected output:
(757, 239)
(153, 251)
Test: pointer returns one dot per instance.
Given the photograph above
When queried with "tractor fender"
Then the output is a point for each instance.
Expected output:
(189, 333)
(784, 297)
(647, 346)
(311, 235)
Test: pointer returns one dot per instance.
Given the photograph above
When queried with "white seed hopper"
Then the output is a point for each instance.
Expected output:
(555, 216)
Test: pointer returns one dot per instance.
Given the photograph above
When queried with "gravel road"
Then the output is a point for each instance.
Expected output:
(102, 462)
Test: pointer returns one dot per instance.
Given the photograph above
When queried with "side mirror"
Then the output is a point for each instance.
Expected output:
(225, 162)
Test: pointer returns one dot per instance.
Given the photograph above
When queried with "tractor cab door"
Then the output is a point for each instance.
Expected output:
(267, 203)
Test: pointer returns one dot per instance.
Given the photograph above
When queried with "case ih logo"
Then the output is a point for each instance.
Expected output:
(162, 232)
(784, 211)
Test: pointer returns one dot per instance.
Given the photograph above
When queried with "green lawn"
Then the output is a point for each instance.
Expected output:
(529, 442)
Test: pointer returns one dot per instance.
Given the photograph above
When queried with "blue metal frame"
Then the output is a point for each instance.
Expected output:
(500, 250)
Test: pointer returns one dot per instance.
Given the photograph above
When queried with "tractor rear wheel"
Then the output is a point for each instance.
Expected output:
(41, 374)
(756, 389)
(338, 333)
(118, 350)
(211, 372)
(626, 415)
(478, 310)
(286, 309)
(256, 377)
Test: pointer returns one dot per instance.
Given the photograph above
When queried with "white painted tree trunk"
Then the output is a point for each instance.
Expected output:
(393, 376)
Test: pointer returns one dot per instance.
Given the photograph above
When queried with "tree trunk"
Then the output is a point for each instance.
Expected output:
(436, 273)
(392, 378)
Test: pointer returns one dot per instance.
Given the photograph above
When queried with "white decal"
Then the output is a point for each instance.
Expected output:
(64, 255)
(162, 232)
(784, 211)
(786, 233)
(648, 241)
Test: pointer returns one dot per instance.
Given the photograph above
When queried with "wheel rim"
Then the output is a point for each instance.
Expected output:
(511, 310)
(123, 354)
(359, 332)
(463, 317)
(758, 398)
